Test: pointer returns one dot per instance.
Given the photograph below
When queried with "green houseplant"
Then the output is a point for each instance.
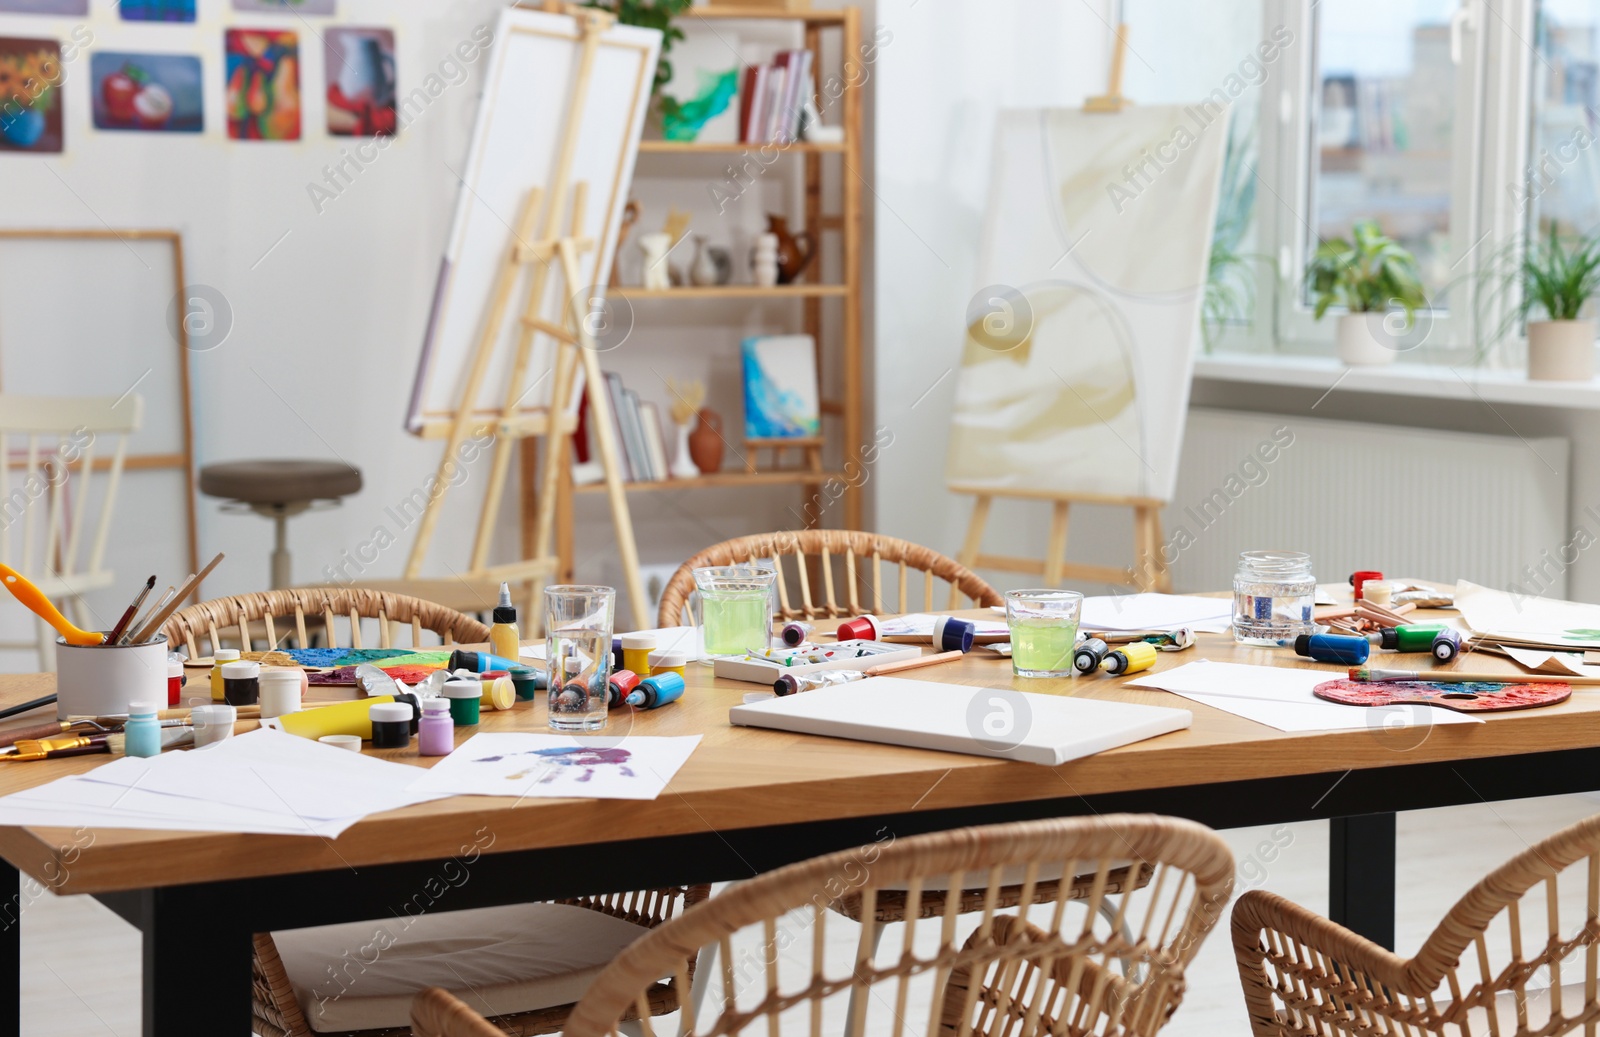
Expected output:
(1369, 275)
(1559, 276)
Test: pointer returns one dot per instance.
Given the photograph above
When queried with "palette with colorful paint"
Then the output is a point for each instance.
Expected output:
(1469, 697)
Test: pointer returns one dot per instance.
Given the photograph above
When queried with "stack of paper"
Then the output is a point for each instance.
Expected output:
(263, 782)
(1156, 612)
(1528, 621)
(1281, 697)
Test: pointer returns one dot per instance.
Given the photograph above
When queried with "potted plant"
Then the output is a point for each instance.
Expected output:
(1559, 278)
(1370, 276)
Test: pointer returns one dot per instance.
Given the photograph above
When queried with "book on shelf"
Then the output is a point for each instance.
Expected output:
(638, 460)
(650, 419)
(773, 97)
(614, 391)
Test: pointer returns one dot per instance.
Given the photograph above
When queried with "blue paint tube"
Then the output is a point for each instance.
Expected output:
(479, 662)
(1333, 648)
(654, 692)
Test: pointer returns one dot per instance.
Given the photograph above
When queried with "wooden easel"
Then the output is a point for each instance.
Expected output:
(540, 242)
(1149, 571)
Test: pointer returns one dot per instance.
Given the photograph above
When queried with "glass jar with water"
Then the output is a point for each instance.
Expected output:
(1273, 596)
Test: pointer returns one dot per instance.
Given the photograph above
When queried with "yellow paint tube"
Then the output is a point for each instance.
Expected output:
(340, 718)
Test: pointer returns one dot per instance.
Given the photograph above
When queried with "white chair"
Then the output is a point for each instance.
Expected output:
(61, 460)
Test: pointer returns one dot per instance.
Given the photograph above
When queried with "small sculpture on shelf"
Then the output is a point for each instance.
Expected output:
(795, 251)
(655, 246)
(764, 260)
(687, 396)
(711, 265)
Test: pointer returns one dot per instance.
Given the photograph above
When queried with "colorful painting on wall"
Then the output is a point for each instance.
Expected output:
(286, 6)
(263, 84)
(30, 95)
(156, 92)
(780, 387)
(55, 7)
(361, 82)
(157, 10)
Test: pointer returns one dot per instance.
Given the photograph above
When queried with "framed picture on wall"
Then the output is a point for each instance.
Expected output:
(152, 92)
(60, 8)
(156, 10)
(361, 82)
(286, 6)
(32, 78)
(263, 84)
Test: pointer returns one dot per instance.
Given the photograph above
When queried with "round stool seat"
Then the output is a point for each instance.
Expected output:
(279, 482)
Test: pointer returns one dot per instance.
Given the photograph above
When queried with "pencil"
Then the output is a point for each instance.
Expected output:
(1363, 673)
(117, 631)
(912, 664)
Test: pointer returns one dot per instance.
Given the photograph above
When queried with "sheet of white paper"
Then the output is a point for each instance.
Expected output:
(1528, 617)
(71, 802)
(558, 766)
(1156, 612)
(920, 624)
(1539, 661)
(1281, 697)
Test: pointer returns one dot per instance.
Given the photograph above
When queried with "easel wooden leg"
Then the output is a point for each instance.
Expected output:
(1149, 572)
(974, 542)
(567, 573)
(1056, 552)
(1163, 581)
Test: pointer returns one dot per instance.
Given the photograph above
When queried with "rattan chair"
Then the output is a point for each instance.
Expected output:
(279, 1013)
(1501, 962)
(1007, 976)
(839, 561)
(212, 621)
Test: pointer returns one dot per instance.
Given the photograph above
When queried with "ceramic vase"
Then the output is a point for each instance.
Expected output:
(1561, 350)
(705, 442)
(764, 260)
(682, 466)
(795, 251)
(703, 270)
(1357, 343)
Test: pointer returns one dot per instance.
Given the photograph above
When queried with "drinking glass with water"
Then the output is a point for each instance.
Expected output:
(735, 610)
(578, 622)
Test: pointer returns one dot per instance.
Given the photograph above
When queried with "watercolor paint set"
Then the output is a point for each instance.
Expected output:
(807, 658)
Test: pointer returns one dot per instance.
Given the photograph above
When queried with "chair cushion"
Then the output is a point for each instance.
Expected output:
(279, 482)
(502, 960)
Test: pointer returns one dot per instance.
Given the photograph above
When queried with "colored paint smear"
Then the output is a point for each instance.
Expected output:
(735, 620)
(1042, 647)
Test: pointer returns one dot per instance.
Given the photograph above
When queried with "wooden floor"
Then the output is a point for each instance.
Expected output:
(81, 963)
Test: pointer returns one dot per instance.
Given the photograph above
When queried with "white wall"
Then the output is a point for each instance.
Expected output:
(329, 307)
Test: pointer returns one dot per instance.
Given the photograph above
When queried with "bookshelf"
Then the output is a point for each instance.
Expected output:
(838, 231)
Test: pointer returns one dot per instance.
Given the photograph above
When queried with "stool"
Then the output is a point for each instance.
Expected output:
(279, 490)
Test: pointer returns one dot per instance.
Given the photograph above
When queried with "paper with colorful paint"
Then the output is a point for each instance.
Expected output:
(1528, 618)
(543, 766)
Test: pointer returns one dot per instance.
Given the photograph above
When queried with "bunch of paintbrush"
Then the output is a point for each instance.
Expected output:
(130, 629)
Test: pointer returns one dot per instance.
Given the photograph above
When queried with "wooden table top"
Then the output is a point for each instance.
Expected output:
(745, 777)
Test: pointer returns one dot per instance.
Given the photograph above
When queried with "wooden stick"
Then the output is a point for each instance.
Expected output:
(153, 624)
(912, 664)
(1362, 673)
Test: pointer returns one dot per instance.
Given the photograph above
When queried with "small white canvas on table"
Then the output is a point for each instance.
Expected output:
(998, 722)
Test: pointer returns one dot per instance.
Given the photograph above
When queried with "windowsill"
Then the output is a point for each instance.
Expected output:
(1434, 381)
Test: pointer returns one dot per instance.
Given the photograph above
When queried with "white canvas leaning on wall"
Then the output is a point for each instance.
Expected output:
(527, 96)
(1075, 373)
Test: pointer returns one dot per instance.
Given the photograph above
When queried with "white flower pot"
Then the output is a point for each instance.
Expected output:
(1561, 350)
(1361, 341)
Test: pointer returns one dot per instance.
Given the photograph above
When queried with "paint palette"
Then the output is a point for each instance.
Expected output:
(807, 658)
(1468, 697)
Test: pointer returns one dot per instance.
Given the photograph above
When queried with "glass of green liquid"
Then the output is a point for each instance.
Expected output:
(1044, 631)
(735, 607)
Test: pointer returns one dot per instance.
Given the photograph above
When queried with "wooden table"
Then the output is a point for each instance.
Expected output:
(750, 800)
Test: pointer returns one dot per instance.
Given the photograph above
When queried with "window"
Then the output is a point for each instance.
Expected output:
(1562, 189)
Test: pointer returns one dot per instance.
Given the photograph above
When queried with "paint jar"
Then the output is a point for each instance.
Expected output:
(528, 682)
(498, 693)
(862, 628)
(391, 725)
(666, 661)
(465, 698)
(220, 658)
(438, 734)
(1378, 592)
(578, 625)
(241, 683)
(350, 742)
(953, 634)
(636, 649)
(280, 691)
(174, 678)
(213, 723)
(1044, 631)
(1273, 595)
(143, 733)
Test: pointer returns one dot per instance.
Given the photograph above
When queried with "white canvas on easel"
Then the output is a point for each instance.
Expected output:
(516, 144)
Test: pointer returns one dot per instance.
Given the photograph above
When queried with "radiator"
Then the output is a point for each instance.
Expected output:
(1406, 501)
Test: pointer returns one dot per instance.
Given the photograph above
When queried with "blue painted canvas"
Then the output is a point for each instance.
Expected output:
(780, 387)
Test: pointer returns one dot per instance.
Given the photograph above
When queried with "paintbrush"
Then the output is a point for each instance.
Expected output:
(29, 749)
(153, 624)
(35, 600)
(160, 604)
(1364, 673)
(115, 637)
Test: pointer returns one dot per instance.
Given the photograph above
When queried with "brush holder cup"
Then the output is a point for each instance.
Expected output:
(100, 680)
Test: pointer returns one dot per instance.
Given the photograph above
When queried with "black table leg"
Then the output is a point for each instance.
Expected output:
(196, 965)
(10, 952)
(1361, 875)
